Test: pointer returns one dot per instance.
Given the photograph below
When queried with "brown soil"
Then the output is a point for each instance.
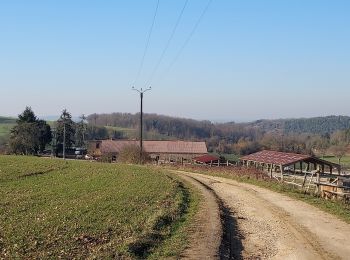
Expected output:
(207, 229)
(262, 224)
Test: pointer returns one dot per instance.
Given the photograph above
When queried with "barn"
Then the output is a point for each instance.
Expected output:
(166, 151)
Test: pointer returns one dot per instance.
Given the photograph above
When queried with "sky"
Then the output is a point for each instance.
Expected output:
(235, 61)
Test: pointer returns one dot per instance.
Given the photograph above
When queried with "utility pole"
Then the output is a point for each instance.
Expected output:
(53, 142)
(64, 138)
(83, 119)
(141, 91)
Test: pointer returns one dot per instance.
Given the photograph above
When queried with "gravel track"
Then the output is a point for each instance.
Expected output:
(261, 224)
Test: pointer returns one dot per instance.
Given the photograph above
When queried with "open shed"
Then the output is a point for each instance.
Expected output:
(281, 161)
(302, 170)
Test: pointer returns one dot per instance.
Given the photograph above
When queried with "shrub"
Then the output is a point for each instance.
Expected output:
(131, 154)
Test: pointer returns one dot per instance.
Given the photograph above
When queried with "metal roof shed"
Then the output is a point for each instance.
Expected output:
(206, 159)
(273, 159)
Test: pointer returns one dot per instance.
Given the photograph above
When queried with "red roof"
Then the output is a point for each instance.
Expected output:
(183, 147)
(206, 158)
(276, 157)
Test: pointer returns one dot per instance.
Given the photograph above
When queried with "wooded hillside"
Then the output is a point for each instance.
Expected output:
(7, 120)
(293, 135)
(190, 128)
(315, 125)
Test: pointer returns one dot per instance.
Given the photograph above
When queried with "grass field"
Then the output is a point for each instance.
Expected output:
(74, 209)
(6, 124)
(345, 161)
(5, 129)
(228, 156)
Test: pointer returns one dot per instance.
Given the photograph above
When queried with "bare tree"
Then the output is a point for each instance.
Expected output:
(339, 151)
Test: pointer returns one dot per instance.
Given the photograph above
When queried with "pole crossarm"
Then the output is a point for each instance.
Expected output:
(141, 90)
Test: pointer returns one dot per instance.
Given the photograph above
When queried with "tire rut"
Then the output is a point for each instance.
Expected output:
(230, 245)
(274, 226)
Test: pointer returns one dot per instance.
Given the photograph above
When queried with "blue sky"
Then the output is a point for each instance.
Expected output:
(246, 60)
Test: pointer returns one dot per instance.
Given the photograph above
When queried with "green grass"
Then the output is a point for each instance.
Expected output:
(338, 208)
(74, 209)
(5, 129)
(6, 123)
(345, 161)
(228, 156)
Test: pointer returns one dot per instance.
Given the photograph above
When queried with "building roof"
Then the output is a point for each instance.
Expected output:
(282, 158)
(174, 147)
(206, 158)
(274, 157)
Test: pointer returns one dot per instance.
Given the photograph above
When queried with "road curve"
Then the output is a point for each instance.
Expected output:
(273, 226)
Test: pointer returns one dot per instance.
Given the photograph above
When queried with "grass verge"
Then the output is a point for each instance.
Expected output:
(178, 233)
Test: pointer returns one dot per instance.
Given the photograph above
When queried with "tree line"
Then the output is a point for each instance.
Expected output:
(31, 136)
(319, 135)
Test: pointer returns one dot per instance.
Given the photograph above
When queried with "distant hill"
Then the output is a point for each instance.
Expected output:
(189, 128)
(314, 125)
(230, 137)
(166, 126)
(7, 120)
(174, 127)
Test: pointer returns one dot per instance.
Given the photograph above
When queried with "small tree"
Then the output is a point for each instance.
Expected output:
(321, 145)
(339, 151)
(24, 139)
(131, 154)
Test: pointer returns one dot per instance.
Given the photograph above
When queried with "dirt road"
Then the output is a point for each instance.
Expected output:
(261, 224)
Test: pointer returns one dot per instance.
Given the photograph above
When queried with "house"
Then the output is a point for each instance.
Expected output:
(167, 151)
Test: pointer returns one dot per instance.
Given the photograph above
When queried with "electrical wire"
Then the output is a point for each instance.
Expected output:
(188, 37)
(147, 44)
(167, 44)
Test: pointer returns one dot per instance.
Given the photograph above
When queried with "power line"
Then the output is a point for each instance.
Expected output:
(189, 36)
(167, 44)
(147, 44)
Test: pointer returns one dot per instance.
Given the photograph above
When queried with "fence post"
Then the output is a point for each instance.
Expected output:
(281, 173)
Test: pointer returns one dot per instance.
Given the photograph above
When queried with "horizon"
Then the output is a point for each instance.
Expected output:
(214, 121)
(220, 60)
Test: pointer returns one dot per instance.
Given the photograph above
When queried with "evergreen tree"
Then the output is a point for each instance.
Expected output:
(65, 124)
(45, 135)
(27, 116)
(81, 128)
(30, 135)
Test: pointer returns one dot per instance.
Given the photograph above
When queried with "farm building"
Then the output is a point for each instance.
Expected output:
(167, 151)
(206, 159)
(280, 161)
(305, 171)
